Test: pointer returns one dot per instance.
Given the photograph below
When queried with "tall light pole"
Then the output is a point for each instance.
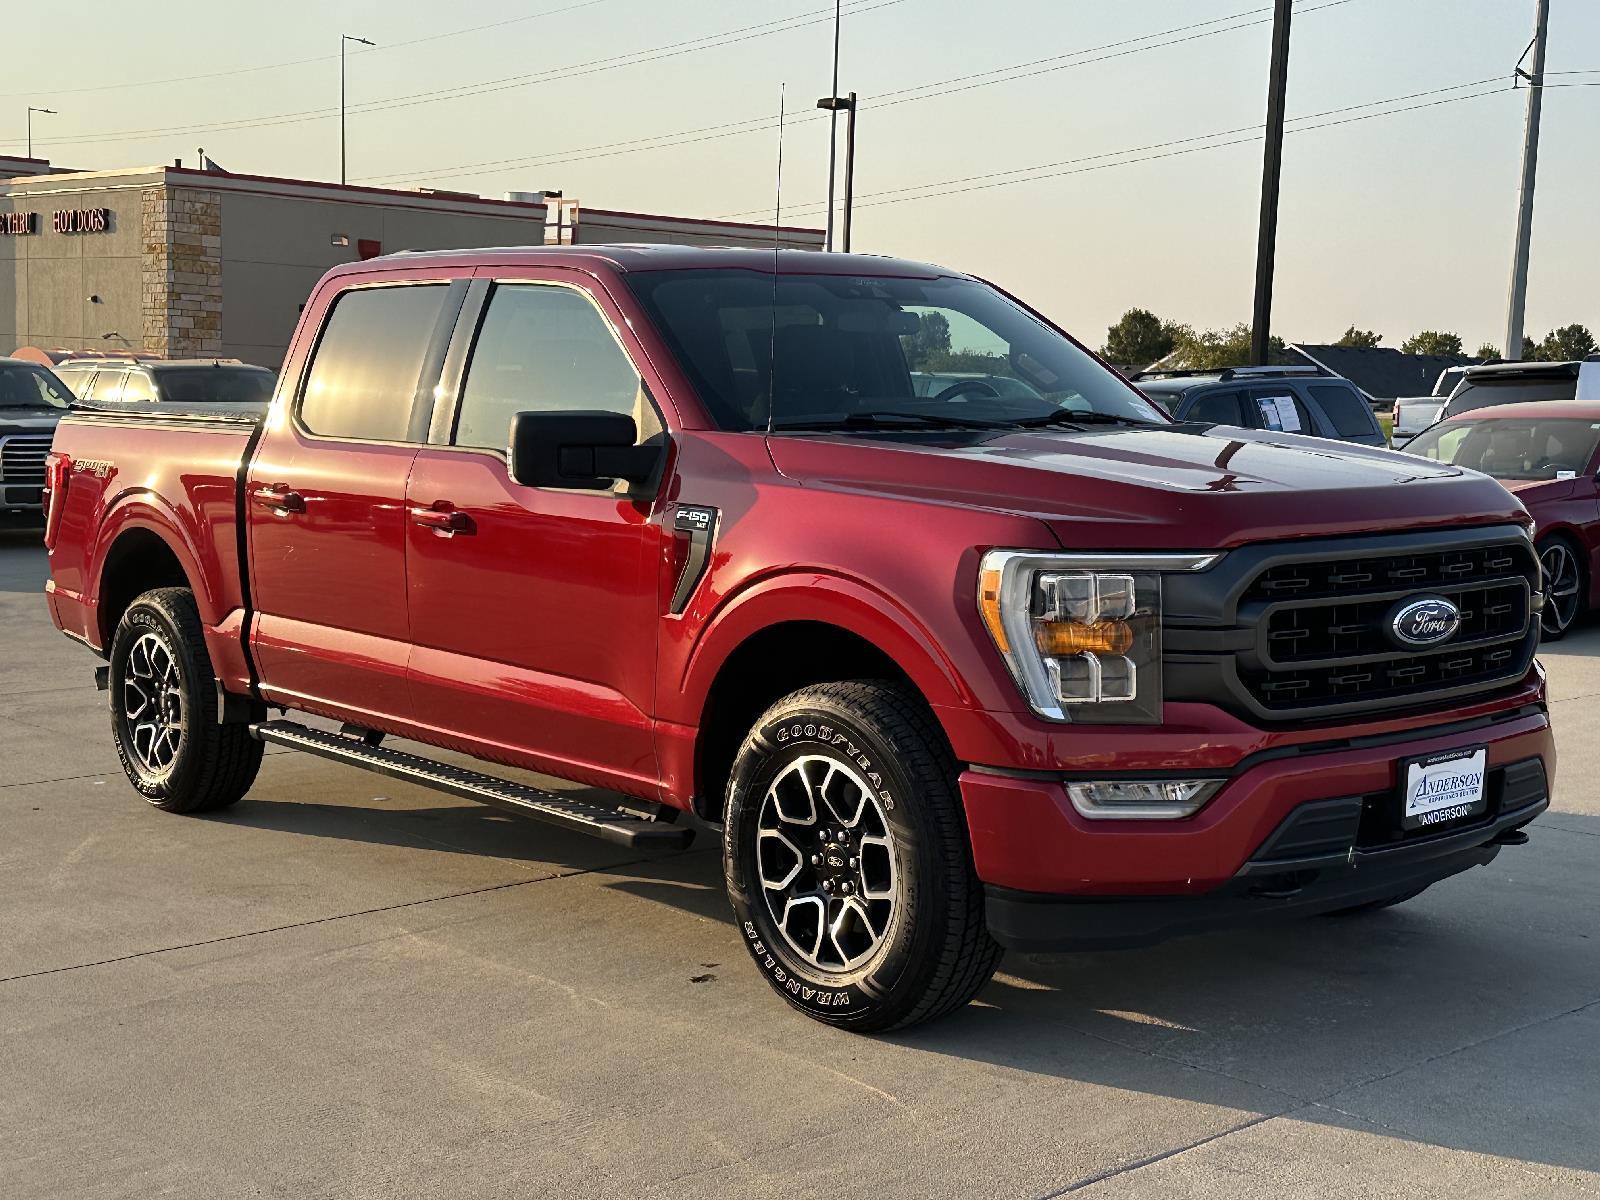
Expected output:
(345, 38)
(31, 111)
(1271, 171)
(833, 120)
(1517, 303)
(848, 104)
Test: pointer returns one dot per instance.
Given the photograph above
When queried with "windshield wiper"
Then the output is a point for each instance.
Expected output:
(1066, 419)
(887, 419)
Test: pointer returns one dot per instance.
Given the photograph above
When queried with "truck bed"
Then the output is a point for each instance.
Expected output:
(158, 468)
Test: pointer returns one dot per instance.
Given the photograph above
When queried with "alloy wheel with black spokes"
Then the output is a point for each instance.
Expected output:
(1562, 583)
(152, 703)
(847, 859)
(826, 861)
(164, 709)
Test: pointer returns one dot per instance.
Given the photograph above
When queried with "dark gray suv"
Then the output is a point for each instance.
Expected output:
(1301, 400)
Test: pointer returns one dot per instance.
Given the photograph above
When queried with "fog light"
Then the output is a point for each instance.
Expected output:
(1141, 800)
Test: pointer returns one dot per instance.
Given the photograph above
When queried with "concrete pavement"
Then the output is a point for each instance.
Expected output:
(350, 987)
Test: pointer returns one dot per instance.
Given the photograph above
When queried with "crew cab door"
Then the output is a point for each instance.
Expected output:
(325, 494)
(534, 611)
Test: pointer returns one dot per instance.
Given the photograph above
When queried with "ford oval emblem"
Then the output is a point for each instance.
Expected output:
(1425, 622)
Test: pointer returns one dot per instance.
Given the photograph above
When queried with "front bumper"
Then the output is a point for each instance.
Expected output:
(1308, 829)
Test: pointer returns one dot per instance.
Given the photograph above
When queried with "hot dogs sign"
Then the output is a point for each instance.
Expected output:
(66, 220)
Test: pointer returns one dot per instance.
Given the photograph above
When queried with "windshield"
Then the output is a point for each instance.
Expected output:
(863, 352)
(25, 386)
(1509, 448)
(216, 385)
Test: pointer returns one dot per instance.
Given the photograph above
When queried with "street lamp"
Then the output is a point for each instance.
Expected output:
(31, 111)
(846, 105)
(343, 39)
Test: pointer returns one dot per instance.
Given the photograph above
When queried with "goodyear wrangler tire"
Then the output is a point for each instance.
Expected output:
(164, 710)
(847, 860)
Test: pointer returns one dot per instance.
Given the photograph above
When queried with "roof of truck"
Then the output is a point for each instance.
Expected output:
(646, 256)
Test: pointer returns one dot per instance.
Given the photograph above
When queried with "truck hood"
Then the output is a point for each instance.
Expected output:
(29, 420)
(1172, 487)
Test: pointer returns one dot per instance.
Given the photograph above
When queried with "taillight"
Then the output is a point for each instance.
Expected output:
(57, 470)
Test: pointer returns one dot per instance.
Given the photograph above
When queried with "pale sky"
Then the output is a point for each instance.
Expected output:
(1396, 223)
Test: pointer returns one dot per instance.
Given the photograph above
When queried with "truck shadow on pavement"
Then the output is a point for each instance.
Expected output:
(1459, 1019)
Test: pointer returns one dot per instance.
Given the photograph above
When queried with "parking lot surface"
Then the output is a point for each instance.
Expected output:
(347, 986)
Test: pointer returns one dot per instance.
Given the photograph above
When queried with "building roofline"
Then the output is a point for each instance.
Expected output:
(462, 198)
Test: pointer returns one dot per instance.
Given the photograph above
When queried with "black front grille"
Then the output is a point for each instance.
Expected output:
(1305, 629)
(22, 457)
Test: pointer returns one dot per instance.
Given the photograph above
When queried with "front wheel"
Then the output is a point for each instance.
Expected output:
(164, 710)
(1564, 587)
(847, 860)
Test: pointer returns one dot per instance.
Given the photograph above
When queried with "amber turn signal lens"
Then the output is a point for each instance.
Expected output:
(1058, 639)
(989, 606)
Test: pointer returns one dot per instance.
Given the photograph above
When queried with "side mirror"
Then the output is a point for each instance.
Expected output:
(586, 450)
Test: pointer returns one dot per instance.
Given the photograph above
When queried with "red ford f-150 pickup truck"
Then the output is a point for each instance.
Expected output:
(1005, 660)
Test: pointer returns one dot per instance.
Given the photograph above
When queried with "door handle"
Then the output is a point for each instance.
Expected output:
(280, 499)
(442, 519)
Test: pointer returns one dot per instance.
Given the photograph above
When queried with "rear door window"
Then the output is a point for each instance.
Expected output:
(138, 387)
(107, 385)
(1220, 407)
(1350, 413)
(368, 363)
(1281, 411)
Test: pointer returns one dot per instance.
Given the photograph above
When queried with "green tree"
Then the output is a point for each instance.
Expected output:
(1432, 341)
(1363, 338)
(1212, 349)
(1567, 343)
(1487, 350)
(1138, 338)
(1530, 349)
(931, 338)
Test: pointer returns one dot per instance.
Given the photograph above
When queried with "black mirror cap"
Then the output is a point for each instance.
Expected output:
(585, 450)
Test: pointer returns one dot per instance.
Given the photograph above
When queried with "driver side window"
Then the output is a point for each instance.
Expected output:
(545, 348)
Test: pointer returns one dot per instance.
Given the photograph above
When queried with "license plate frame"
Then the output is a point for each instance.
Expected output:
(1454, 799)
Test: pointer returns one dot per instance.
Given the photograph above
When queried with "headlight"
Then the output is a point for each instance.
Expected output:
(1081, 633)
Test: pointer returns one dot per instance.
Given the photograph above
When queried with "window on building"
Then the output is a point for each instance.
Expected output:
(364, 373)
(1220, 407)
(1350, 413)
(544, 349)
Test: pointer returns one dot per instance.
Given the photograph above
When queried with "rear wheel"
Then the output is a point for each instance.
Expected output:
(847, 861)
(1565, 588)
(164, 710)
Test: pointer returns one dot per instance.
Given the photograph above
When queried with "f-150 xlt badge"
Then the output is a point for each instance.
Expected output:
(699, 523)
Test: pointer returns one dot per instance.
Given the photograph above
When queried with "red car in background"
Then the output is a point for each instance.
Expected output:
(1548, 453)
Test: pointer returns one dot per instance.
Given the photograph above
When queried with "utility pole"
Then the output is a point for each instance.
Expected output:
(833, 122)
(1271, 169)
(343, 39)
(1518, 301)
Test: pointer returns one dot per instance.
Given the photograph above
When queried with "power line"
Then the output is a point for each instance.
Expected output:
(487, 87)
(886, 100)
(300, 62)
(1148, 153)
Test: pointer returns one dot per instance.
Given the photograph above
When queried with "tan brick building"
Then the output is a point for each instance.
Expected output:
(189, 263)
